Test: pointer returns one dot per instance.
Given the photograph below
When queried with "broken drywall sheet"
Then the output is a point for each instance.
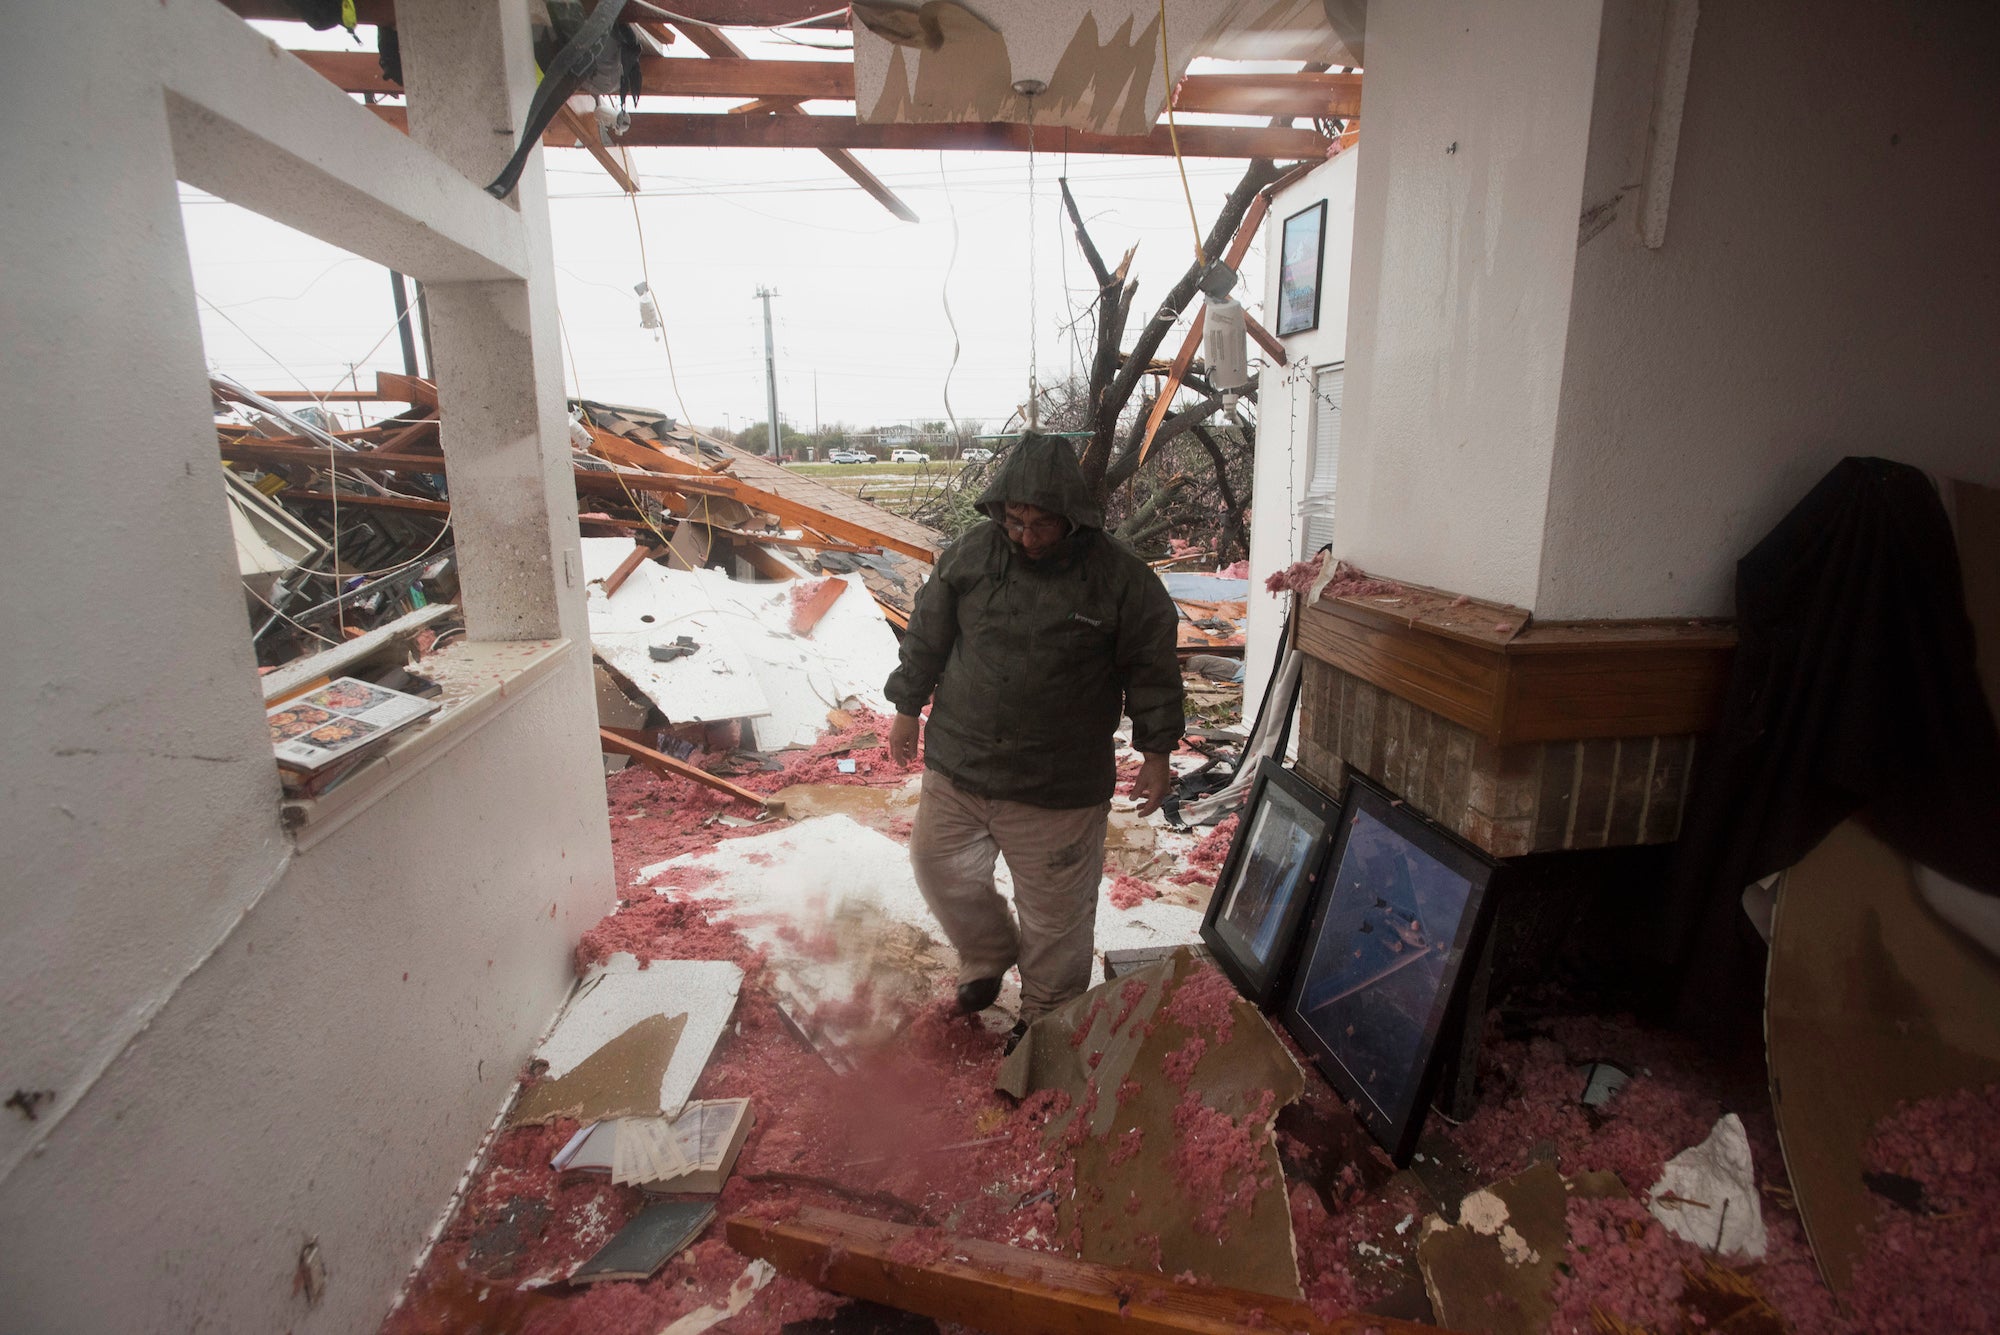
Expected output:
(1099, 63)
(620, 1079)
(747, 662)
(1175, 1082)
(843, 662)
(1491, 1274)
(655, 606)
(618, 994)
(1707, 1194)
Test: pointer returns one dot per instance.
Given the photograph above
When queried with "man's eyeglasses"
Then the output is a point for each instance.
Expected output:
(1050, 528)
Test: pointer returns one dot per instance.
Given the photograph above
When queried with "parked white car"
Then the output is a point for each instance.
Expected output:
(977, 456)
(908, 457)
(849, 457)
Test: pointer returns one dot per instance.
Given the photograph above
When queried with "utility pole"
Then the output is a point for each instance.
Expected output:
(764, 294)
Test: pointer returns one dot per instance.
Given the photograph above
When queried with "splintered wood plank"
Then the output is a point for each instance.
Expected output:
(660, 763)
(821, 600)
(1012, 1291)
(616, 579)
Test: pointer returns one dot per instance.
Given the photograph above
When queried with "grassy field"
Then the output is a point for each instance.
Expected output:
(946, 466)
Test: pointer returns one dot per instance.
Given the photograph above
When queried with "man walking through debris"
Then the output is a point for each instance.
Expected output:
(1036, 631)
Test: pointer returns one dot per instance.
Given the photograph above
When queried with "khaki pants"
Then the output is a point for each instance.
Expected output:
(1057, 860)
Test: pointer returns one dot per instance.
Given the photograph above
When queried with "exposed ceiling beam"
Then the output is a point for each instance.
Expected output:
(665, 130)
(1288, 94)
(726, 54)
(586, 137)
(722, 13)
(1330, 96)
(836, 134)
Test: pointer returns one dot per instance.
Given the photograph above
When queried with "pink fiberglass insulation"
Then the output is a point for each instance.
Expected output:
(1235, 570)
(1347, 582)
(1129, 892)
(803, 591)
(1204, 860)
(1218, 1160)
(1623, 1262)
(1296, 578)
(1932, 1269)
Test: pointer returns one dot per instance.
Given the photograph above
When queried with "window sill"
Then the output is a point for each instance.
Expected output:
(481, 682)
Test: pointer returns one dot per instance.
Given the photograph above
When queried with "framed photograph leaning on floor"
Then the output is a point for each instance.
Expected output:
(1382, 972)
(1267, 881)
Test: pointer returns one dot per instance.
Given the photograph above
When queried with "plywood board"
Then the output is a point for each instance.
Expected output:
(1871, 1000)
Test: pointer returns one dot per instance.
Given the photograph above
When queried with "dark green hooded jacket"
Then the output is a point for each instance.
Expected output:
(1031, 663)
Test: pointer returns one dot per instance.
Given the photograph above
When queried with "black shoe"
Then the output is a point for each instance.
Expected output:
(1014, 1037)
(977, 995)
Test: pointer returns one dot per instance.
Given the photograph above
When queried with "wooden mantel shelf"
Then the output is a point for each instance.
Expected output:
(1496, 671)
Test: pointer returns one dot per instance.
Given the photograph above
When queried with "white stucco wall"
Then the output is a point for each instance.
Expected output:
(1284, 402)
(1829, 286)
(1476, 120)
(235, 1061)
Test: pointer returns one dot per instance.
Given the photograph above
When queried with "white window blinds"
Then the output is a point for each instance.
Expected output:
(1316, 511)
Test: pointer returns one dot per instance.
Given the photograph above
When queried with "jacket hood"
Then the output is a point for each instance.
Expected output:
(1042, 471)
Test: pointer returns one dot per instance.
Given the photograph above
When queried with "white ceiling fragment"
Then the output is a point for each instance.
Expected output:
(1100, 62)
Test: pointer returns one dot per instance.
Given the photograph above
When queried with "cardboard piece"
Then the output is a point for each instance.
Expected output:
(1490, 1273)
(617, 994)
(1870, 1000)
(620, 1079)
(1133, 1207)
(639, 1249)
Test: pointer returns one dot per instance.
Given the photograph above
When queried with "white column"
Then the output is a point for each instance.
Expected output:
(470, 73)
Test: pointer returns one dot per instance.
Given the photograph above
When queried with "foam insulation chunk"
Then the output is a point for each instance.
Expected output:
(1716, 1173)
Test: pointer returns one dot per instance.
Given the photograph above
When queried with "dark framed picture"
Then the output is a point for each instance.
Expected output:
(1267, 881)
(1301, 254)
(1382, 972)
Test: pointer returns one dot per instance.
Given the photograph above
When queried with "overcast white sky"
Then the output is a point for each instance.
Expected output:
(860, 310)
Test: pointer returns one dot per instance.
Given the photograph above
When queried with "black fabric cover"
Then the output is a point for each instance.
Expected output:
(1854, 691)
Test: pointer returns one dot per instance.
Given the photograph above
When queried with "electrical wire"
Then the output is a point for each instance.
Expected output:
(639, 227)
(1174, 136)
(944, 294)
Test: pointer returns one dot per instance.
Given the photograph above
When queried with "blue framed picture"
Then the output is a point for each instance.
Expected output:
(1382, 973)
(1268, 880)
(1302, 253)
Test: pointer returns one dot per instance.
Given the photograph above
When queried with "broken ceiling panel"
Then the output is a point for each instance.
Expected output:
(1099, 64)
(619, 993)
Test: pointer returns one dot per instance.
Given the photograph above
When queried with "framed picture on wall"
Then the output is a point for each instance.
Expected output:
(1302, 252)
(1383, 966)
(1268, 881)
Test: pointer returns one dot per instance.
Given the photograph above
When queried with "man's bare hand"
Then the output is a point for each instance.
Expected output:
(903, 739)
(1155, 781)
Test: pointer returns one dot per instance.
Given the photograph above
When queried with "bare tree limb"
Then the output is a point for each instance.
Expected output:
(1128, 461)
(1110, 402)
(1089, 248)
(1232, 531)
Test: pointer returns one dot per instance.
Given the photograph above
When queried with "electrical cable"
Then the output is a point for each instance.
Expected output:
(666, 542)
(944, 294)
(1174, 136)
(639, 227)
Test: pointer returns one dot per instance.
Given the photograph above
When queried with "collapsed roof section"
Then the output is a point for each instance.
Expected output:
(369, 511)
